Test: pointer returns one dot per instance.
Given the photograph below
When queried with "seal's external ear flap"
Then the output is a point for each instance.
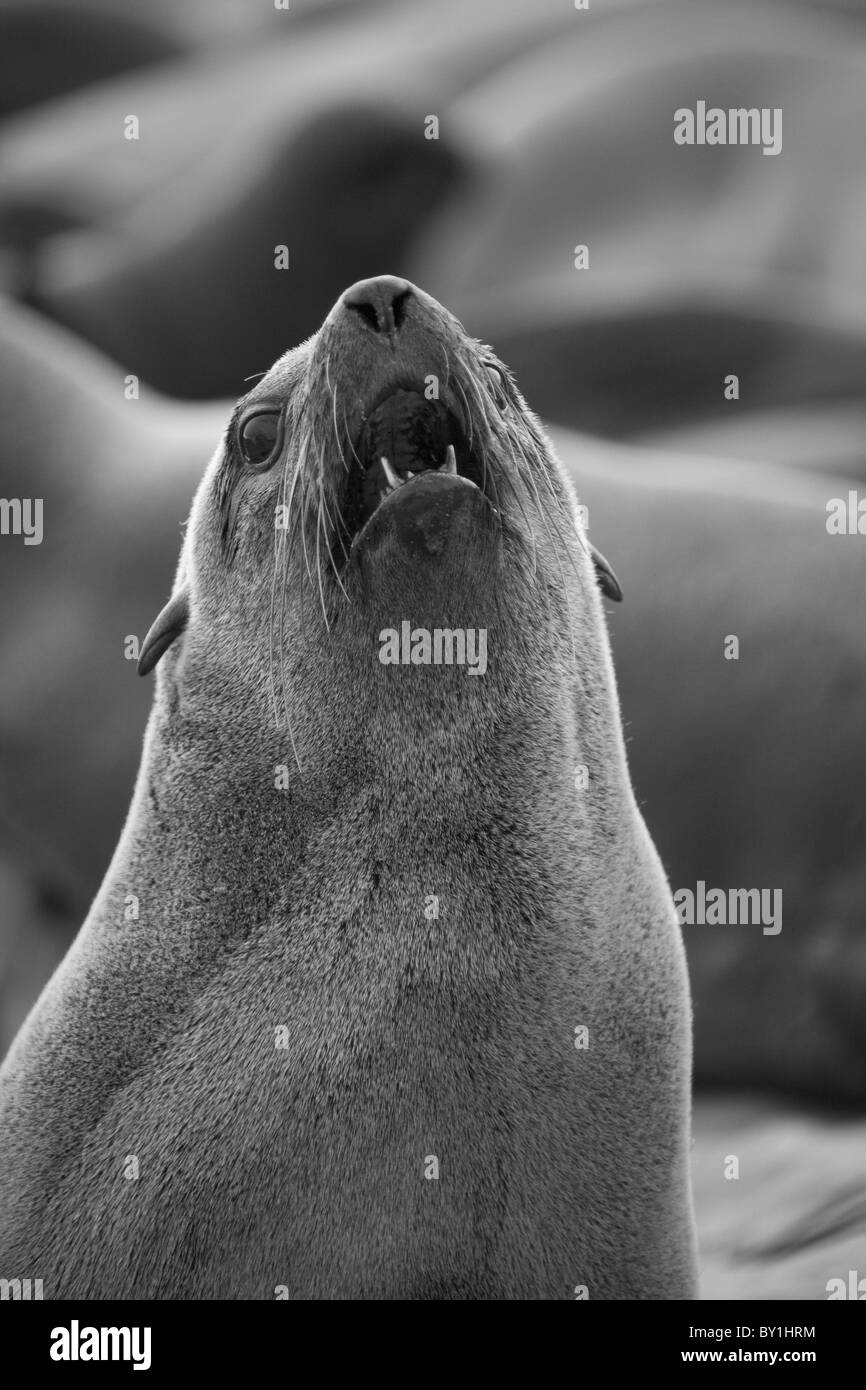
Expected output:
(168, 626)
(607, 580)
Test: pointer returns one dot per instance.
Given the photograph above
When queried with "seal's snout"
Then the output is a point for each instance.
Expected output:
(380, 304)
(395, 356)
(417, 418)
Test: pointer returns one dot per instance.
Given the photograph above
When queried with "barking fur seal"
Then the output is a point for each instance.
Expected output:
(383, 995)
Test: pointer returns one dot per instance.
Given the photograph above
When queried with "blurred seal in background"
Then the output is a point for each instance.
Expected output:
(744, 766)
(265, 240)
(114, 473)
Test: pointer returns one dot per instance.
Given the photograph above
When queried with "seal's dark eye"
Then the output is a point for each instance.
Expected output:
(259, 438)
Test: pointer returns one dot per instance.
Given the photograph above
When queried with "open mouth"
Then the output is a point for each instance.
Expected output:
(403, 437)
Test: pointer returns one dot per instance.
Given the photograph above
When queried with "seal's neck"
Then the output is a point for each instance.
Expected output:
(509, 784)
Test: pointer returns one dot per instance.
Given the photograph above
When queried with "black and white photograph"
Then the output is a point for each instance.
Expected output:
(433, 661)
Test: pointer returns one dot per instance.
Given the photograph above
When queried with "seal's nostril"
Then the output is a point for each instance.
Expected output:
(369, 313)
(381, 302)
(398, 308)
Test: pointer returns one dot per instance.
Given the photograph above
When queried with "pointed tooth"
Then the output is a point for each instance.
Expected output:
(409, 475)
(450, 464)
(392, 479)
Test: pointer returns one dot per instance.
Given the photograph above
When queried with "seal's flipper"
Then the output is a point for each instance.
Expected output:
(607, 580)
(168, 626)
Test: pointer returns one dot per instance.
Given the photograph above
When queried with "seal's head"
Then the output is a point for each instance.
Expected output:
(384, 482)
